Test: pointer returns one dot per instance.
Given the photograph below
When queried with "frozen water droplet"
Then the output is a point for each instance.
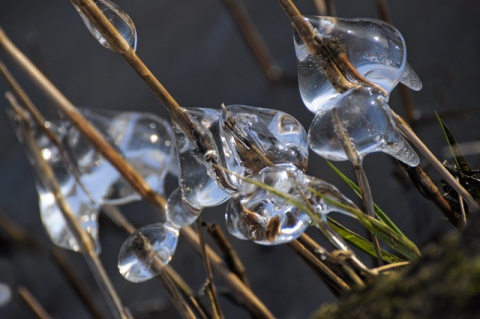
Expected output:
(410, 78)
(117, 17)
(83, 208)
(143, 139)
(197, 179)
(278, 137)
(144, 254)
(366, 118)
(376, 49)
(178, 212)
(255, 214)
(5, 294)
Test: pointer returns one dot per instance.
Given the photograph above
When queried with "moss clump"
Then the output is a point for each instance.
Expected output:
(445, 283)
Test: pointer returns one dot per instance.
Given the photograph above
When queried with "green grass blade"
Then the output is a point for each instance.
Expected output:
(361, 243)
(378, 211)
(399, 243)
(460, 161)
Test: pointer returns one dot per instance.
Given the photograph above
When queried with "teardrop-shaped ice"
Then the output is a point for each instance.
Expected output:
(366, 117)
(410, 78)
(143, 139)
(178, 212)
(277, 136)
(117, 17)
(197, 179)
(144, 254)
(258, 215)
(376, 49)
(83, 208)
(317, 190)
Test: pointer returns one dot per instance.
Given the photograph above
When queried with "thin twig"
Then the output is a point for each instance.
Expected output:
(85, 241)
(189, 126)
(210, 287)
(170, 279)
(449, 178)
(384, 13)
(19, 235)
(362, 179)
(33, 303)
(254, 40)
(229, 254)
(83, 126)
(428, 189)
(336, 283)
(331, 58)
(245, 294)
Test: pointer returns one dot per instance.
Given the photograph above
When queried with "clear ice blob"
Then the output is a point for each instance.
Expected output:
(143, 139)
(277, 136)
(197, 178)
(117, 17)
(258, 215)
(376, 49)
(178, 212)
(146, 252)
(366, 117)
(83, 208)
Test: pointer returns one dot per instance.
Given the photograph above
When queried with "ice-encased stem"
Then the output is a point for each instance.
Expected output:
(85, 242)
(83, 126)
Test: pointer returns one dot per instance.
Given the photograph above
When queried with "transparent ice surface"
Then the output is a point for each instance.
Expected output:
(143, 139)
(117, 17)
(144, 254)
(366, 117)
(178, 212)
(83, 208)
(256, 214)
(277, 135)
(197, 179)
(376, 49)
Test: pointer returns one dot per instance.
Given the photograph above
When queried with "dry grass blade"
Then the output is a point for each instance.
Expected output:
(19, 235)
(33, 303)
(84, 241)
(170, 279)
(244, 294)
(334, 282)
(229, 254)
(254, 40)
(362, 179)
(418, 143)
(210, 287)
(83, 126)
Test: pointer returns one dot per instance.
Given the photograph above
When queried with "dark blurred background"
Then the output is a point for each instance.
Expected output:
(197, 52)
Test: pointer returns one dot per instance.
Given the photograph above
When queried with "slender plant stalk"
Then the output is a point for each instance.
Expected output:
(321, 6)
(254, 40)
(189, 126)
(428, 189)
(210, 287)
(449, 178)
(245, 294)
(384, 13)
(362, 179)
(84, 240)
(33, 303)
(170, 279)
(19, 235)
(336, 283)
(229, 254)
(83, 126)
